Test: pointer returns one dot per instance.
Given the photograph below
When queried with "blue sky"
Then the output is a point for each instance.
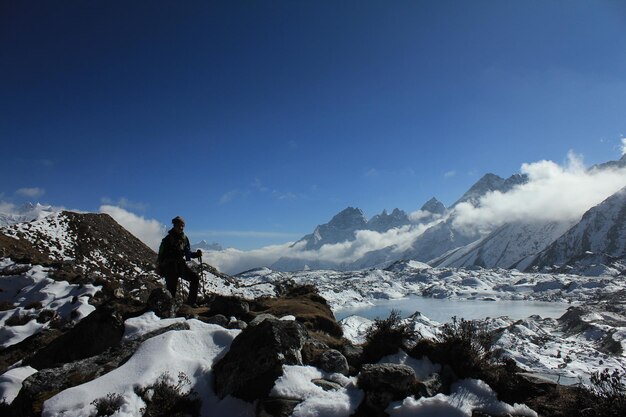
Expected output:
(256, 121)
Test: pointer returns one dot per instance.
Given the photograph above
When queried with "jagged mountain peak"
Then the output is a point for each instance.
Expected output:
(385, 221)
(347, 217)
(204, 245)
(620, 163)
(490, 182)
(434, 206)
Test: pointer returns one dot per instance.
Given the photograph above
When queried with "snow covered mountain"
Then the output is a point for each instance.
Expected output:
(599, 237)
(340, 228)
(438, 239)
(26, 213)
(82, 243)
(513, 245)
(490, 182)
(206, 246)
(384, 221)
(434, 206)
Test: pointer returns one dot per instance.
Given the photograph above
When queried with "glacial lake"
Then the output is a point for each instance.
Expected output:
(443, 309)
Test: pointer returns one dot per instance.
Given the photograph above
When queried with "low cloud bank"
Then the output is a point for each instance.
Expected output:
(553, 192)
(233, 261)
(149, 231)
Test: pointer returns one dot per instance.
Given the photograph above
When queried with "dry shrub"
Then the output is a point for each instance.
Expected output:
(108, 405)
(386, 337)
(165, 399)
(466, 346)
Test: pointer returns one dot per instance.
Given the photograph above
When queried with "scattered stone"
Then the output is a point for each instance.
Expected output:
(260, 317)
(229, 306)
(219, 319)
(382, 384)
(333, 361)
(395, 378)
(327, 385)
(237, 324)
(276, 407)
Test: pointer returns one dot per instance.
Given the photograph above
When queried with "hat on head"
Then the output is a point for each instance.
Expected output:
(178, 219)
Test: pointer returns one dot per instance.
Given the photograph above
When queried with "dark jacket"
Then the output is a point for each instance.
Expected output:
(174, 249)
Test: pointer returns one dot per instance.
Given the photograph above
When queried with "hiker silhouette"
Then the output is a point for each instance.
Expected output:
(174, 251)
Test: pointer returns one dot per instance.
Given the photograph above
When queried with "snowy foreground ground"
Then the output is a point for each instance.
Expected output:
(538, 344)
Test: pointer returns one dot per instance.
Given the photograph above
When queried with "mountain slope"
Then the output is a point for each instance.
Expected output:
(601, 231)
(439, 239)
(87, 243)
(512, 245)
(340, 228)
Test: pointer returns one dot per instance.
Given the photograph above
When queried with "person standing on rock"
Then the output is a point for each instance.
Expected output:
(171, 263)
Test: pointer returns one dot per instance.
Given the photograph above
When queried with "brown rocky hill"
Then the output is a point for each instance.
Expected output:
(90, 243)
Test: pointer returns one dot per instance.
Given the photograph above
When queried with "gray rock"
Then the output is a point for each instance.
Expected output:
(382, 384)
(161, 302)
(394, 378)
(333, 361)
(219, 319)
(93, 335)
(353, 354)
(259, 318)
(326, 385)
(229, 306)
(276, 407)
(256, 357)
(237, 324)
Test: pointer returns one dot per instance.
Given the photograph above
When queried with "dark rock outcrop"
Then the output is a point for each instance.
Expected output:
(384, 383)
(161, 302)
(333, 361)
(93, 335)
(256, 357)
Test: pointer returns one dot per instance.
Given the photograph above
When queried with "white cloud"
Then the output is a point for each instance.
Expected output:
(149, 231)
(243, 233)
(449, 174)
(6, 207)
(34, 192)
(623, 146)
(124, 203)
(553, 192)
(234, 260)
(229, 196)
(372, 173)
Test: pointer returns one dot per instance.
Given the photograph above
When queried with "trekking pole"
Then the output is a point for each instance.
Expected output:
(202, 278)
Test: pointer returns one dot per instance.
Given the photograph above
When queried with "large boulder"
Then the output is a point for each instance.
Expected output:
(256, 358)
(333, 361)
(93, 335)
(384, 383)
(306, 305)
(161, 302)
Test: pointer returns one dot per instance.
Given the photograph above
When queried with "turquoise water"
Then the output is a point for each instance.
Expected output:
(442, 310)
